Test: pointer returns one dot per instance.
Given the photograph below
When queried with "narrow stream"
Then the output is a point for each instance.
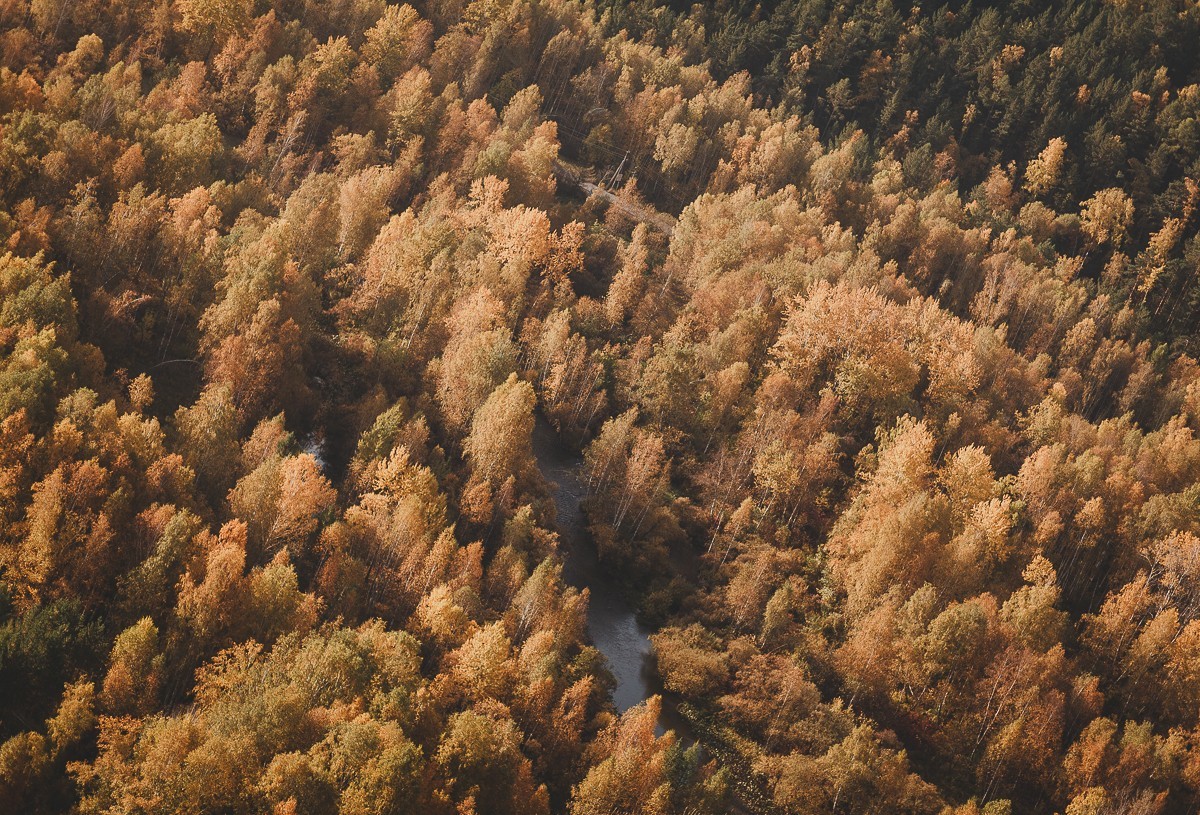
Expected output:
(612, 623)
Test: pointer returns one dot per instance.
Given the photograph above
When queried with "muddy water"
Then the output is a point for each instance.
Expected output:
(612, 623)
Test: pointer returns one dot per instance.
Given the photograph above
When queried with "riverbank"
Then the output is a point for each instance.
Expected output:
(612, 621)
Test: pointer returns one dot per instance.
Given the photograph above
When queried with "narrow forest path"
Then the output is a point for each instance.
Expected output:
(575, 176)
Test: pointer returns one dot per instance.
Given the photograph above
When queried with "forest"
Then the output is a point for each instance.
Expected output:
(871, 331)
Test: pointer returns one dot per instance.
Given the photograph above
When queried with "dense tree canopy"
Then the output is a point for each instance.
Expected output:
(874, 325)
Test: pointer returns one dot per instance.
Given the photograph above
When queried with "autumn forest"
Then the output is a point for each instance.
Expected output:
(365, 365)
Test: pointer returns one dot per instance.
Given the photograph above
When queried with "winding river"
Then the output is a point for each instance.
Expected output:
(612, 623)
